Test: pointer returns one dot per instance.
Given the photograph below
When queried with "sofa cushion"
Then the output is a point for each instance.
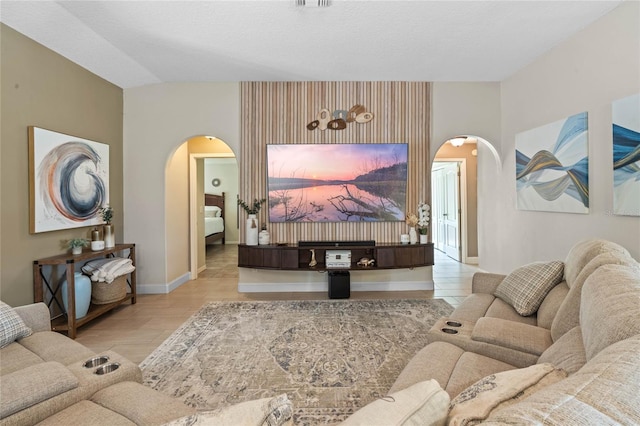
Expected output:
(52, 346)
(603, 392)
(27, 387)
(526, 287)
(549, 307)
(435, 361)
(424, 403)
(16, 357)
(568, 315)
(12, 327)
(500, 390)
(513, 335)
(470, 368)
(502, 310)
(583, 252)
(567, 352)
(140, 404)
(86, 413)
(610, 307)
(276, 411)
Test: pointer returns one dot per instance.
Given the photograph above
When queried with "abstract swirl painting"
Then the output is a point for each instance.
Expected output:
(626, 156)
(552, 167)
(69, 180)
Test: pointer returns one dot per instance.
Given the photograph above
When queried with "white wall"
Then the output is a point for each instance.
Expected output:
(585, 73)
(465, 109)
(157, 120)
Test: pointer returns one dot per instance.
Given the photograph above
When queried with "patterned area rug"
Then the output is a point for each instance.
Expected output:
(330, 357)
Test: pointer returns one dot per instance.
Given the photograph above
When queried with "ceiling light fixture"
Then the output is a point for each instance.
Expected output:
(313, 3)
(457, 142)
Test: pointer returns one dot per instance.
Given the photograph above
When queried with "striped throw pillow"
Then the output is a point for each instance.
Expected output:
(12, 327)
(526, 287)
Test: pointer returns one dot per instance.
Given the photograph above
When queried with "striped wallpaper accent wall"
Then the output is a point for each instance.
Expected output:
(278, 113)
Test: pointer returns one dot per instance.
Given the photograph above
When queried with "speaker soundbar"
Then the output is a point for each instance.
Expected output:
(357, 243)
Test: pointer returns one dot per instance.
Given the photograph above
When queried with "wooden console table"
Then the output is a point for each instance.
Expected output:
(296, 258)
(67, 321)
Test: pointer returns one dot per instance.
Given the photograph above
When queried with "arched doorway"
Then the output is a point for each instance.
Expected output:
(200, 183)
(454, 200)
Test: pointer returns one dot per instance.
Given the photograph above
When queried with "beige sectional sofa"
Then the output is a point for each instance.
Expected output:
(587, 328)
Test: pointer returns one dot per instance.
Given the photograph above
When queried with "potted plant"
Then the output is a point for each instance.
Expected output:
(252, 223)
(423, 221)
(76, 245)
(108, 232)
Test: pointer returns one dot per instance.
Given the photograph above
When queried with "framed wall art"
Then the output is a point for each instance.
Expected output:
(68, 180)
(552, 167)
(625, 114)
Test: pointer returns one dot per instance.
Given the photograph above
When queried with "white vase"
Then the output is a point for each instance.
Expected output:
(252, 230)
(424, 238)
(413, 235)
(264, 238)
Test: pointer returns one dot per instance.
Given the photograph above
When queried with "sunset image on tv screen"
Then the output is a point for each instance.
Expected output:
(337, 182)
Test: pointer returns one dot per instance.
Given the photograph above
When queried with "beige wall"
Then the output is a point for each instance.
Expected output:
(41, 88)
(158, 119)
(585, 73)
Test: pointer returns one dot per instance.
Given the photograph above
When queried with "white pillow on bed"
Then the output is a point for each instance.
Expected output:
(212, 211)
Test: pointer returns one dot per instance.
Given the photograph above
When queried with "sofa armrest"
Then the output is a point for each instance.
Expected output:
(485, 282)
(35, 316)
(513, 335)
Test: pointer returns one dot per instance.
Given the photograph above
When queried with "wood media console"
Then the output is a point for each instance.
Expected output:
(296, 257)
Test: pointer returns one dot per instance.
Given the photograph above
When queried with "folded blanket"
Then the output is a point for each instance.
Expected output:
(107, 270)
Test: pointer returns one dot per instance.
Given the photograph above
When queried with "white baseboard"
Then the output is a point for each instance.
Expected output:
(163, 288)
(304, 287)
(471, 260)
(202, 268)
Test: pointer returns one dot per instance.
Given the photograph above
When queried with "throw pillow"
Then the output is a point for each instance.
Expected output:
(422, 404)
(276, 411)
(526, 287)
(12, 327)
(498, 391)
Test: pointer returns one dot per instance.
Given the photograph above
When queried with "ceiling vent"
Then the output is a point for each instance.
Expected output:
(313, 3)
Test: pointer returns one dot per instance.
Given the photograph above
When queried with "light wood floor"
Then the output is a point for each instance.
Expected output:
(134, 331)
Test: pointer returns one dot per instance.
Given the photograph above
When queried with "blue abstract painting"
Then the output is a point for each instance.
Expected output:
(552, 167)
(625, 114)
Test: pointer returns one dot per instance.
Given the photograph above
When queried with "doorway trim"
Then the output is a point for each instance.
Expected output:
(464, 243)
(193, 207)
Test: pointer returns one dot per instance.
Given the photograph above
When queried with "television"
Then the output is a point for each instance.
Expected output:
(337, 182)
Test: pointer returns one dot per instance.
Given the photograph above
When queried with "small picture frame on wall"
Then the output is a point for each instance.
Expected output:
(68, 180)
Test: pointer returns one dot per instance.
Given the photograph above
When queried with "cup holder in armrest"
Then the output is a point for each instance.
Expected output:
(106, 369)
(94, 362)
(450, 331)
(453, 324)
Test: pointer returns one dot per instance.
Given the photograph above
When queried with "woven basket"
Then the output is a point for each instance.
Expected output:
(103, 293)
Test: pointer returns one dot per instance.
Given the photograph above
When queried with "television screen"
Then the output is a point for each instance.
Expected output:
(337, 182)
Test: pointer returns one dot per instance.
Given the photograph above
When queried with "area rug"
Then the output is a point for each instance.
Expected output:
(330, 357)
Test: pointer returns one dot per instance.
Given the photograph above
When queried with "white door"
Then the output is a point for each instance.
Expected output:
(446, 208)
(452, 211)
